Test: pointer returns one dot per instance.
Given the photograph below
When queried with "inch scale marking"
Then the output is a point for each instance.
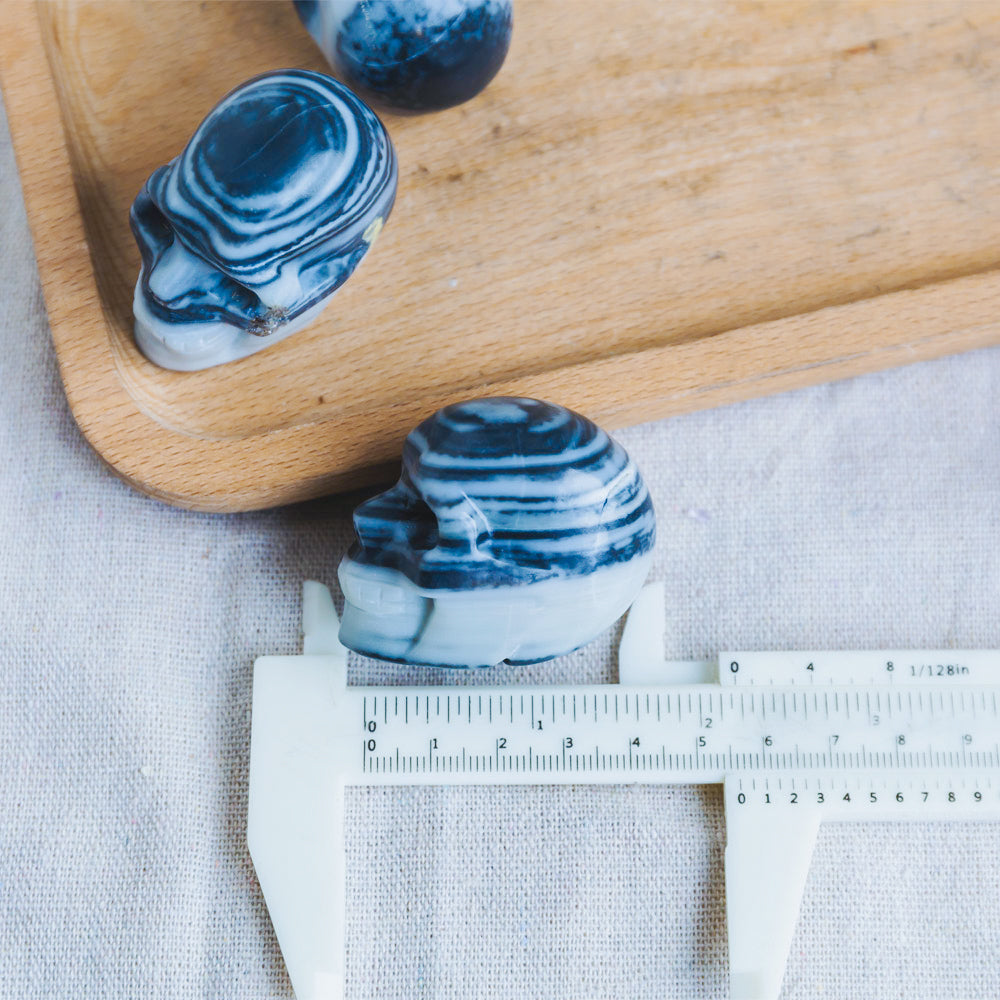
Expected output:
(416, 738)
(795, 739)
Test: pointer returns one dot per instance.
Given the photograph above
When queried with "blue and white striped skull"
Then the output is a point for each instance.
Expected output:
(518, 531)
(268, 210)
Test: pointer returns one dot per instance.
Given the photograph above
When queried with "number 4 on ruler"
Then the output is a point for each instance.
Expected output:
(795, 739)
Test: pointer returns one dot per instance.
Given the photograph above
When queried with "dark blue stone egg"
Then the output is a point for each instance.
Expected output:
(412, 55)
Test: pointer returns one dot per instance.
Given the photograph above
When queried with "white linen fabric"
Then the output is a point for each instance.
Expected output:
(861, 514)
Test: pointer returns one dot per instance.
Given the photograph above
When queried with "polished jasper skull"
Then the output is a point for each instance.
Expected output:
(518, 531)
(264, 215)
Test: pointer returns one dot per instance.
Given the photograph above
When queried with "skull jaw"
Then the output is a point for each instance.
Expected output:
(483, 626)
(188, 347)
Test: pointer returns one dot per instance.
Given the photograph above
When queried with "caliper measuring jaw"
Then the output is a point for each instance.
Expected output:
(795, 739)
(767, 853)
(295, 813)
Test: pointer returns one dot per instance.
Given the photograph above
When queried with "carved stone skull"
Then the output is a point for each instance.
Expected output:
(267, 211)
(518, 531)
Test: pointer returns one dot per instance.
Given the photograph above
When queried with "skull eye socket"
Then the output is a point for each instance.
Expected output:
(186, 285)
(396, 528)
(181, 284)
(423, 534)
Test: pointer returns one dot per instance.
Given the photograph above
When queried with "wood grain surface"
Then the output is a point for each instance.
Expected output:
(655, 207)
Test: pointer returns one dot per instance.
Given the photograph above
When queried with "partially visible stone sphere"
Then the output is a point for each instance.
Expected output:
(412, 55)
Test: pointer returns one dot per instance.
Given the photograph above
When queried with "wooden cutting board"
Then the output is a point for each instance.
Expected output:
(655, 207)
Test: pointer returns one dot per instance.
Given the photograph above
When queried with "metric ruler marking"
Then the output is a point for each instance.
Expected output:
(795, 739)
(541, 733)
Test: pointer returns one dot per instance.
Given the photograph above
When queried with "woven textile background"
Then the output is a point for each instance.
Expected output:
(861, 514)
